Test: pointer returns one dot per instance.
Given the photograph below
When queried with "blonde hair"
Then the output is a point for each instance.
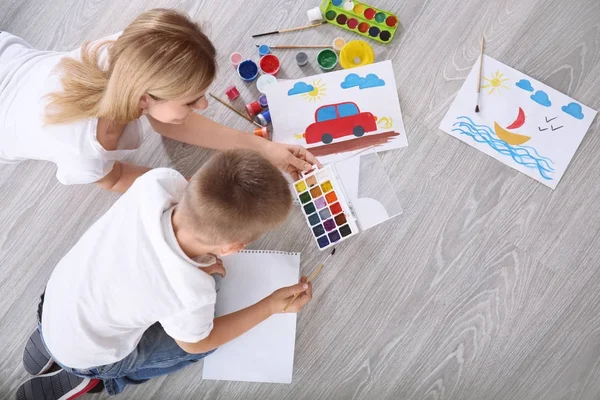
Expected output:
(162, 53)
(235, 198)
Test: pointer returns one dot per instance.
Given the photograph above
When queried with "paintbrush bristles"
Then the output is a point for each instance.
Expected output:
(288, 29)
(480, 72)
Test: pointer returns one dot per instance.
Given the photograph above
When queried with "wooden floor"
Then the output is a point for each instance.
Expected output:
(487, 287)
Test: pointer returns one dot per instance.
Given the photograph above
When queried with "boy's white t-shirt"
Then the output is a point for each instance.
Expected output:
(126, 273)
(27, 76)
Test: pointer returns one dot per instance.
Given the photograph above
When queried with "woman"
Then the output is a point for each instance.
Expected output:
(81, 109)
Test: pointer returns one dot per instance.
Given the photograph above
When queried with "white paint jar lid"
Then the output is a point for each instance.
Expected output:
(265, 80)
(314, 15)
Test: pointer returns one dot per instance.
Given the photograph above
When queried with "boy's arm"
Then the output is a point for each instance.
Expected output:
(121, 177)
(230, 326)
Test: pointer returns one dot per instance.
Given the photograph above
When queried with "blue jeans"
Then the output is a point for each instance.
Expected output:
(156, 354)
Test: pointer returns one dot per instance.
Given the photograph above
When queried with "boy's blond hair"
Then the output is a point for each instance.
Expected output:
(162, 53)
(235, 198)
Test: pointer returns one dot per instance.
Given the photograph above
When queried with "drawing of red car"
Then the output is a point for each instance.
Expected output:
(338, 120)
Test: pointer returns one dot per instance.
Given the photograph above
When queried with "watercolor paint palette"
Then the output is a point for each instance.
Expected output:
(330, 201)
(361, 18)
(325, 208)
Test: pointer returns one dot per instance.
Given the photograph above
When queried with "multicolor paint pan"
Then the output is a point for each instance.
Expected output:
(269, 64)
(327, 59)
(361, 18)
(247, 70)
(325, 208)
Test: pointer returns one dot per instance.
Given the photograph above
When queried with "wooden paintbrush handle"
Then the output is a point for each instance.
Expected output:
(235, 110)
(480, 66)
(310, 278)
(302, 46)
(300, 27)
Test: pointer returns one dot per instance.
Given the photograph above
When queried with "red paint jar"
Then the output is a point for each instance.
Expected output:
(269, 64)
(253, 108)
(232, 93)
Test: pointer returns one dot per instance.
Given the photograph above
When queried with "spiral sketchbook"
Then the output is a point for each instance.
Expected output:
(266, 352)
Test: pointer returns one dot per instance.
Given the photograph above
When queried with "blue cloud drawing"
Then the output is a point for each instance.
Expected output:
(351, 80)
(525, 85)
(300, 87)
(369, 81)
(573, 109)
(541, 97)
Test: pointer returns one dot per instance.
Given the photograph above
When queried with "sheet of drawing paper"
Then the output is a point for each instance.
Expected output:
(367, 187)
(338, 113)
(522, 123)
(266, 352)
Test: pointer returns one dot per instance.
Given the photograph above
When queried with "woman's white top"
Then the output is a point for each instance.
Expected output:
(27, 76)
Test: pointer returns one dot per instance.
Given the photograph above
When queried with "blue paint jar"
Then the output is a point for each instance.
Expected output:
(263, 50)
(247, 70)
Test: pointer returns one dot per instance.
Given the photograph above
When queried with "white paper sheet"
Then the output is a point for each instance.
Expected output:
(371, 104)
(266, 352)
(367, 187)
(522, 123)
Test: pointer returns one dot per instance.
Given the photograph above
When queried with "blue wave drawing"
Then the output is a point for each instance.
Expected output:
(524, 155)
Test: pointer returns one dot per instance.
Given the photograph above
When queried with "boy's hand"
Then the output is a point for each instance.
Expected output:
(280, 298)
(216, 268)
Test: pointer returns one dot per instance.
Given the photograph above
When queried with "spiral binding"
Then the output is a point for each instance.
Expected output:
(285, 253)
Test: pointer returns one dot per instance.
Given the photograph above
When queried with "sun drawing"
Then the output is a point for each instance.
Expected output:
(496, 81)
(319, 91)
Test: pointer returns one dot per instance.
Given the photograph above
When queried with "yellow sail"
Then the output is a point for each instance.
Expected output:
(513, 139)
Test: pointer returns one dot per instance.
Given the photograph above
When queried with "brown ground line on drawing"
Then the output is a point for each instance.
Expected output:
(354, 144)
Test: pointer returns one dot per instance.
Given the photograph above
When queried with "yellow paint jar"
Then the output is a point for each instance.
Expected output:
(356, 53)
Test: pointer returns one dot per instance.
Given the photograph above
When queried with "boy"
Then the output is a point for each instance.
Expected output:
(129, 302)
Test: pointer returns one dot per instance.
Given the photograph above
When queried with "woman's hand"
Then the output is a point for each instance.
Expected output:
(289, 158)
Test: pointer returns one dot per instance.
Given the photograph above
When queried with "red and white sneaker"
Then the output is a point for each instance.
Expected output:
(59, 385)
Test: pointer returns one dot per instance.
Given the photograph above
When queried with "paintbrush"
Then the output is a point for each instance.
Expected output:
(289, 29)
(310, 278)
(235, 110)
(301, 46)
(480, 71)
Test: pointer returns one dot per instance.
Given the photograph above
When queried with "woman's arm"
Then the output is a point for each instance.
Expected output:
(121, 177)
(201, 131)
